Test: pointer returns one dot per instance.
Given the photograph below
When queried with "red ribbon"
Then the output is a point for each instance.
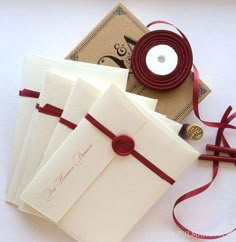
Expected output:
(67, 123)
(124, 145)
(185, 62)
(158, 37)
(222, 125)
(29, 93)
(221, 149)
(50, 110)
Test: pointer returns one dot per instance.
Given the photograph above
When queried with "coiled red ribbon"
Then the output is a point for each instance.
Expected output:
(162, 37)
(185, 63)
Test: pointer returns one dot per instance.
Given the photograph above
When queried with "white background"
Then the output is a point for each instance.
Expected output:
(53, 28)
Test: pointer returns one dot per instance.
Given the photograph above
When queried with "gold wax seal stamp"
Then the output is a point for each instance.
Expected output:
(191, 131)
(194, 131)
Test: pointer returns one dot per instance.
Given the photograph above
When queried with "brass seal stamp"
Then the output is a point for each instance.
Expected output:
(194, 131)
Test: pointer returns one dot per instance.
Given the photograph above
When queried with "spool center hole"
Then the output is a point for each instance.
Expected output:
(161, 59)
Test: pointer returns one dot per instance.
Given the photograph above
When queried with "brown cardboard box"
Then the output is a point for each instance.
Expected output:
(111, 43)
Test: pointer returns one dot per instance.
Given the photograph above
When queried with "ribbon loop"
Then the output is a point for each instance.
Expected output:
(226, 118)
(170, 24)
(221, 126)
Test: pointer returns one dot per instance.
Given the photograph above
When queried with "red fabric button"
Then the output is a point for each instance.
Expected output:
(123, 145)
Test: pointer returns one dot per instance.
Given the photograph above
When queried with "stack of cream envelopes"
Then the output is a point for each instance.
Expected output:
(35, 71)
(88, 156)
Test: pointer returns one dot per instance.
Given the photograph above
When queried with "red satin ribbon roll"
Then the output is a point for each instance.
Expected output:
(177, 42)
(29, 93)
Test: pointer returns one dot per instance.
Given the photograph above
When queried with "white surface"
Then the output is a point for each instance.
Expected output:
(53, 28)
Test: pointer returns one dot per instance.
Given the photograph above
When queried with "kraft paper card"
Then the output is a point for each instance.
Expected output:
(111, 42)
(34, 73)
(109, 172)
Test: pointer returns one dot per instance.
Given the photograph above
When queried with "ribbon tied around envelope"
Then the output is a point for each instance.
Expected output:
(124, 145)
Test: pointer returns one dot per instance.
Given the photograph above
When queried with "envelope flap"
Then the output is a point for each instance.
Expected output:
(82, 97)
(34, 72)
(119, 114)
(35, 69)
(164, 148)
(146, 102)
(55, 91)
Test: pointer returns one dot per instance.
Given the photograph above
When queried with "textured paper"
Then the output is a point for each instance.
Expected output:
(86, 187)
(34, 72)
(111, 44)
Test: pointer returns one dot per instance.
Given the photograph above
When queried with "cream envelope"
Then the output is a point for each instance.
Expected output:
(97, 195)
(174, 126)
(34, 72)
(82, 97)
